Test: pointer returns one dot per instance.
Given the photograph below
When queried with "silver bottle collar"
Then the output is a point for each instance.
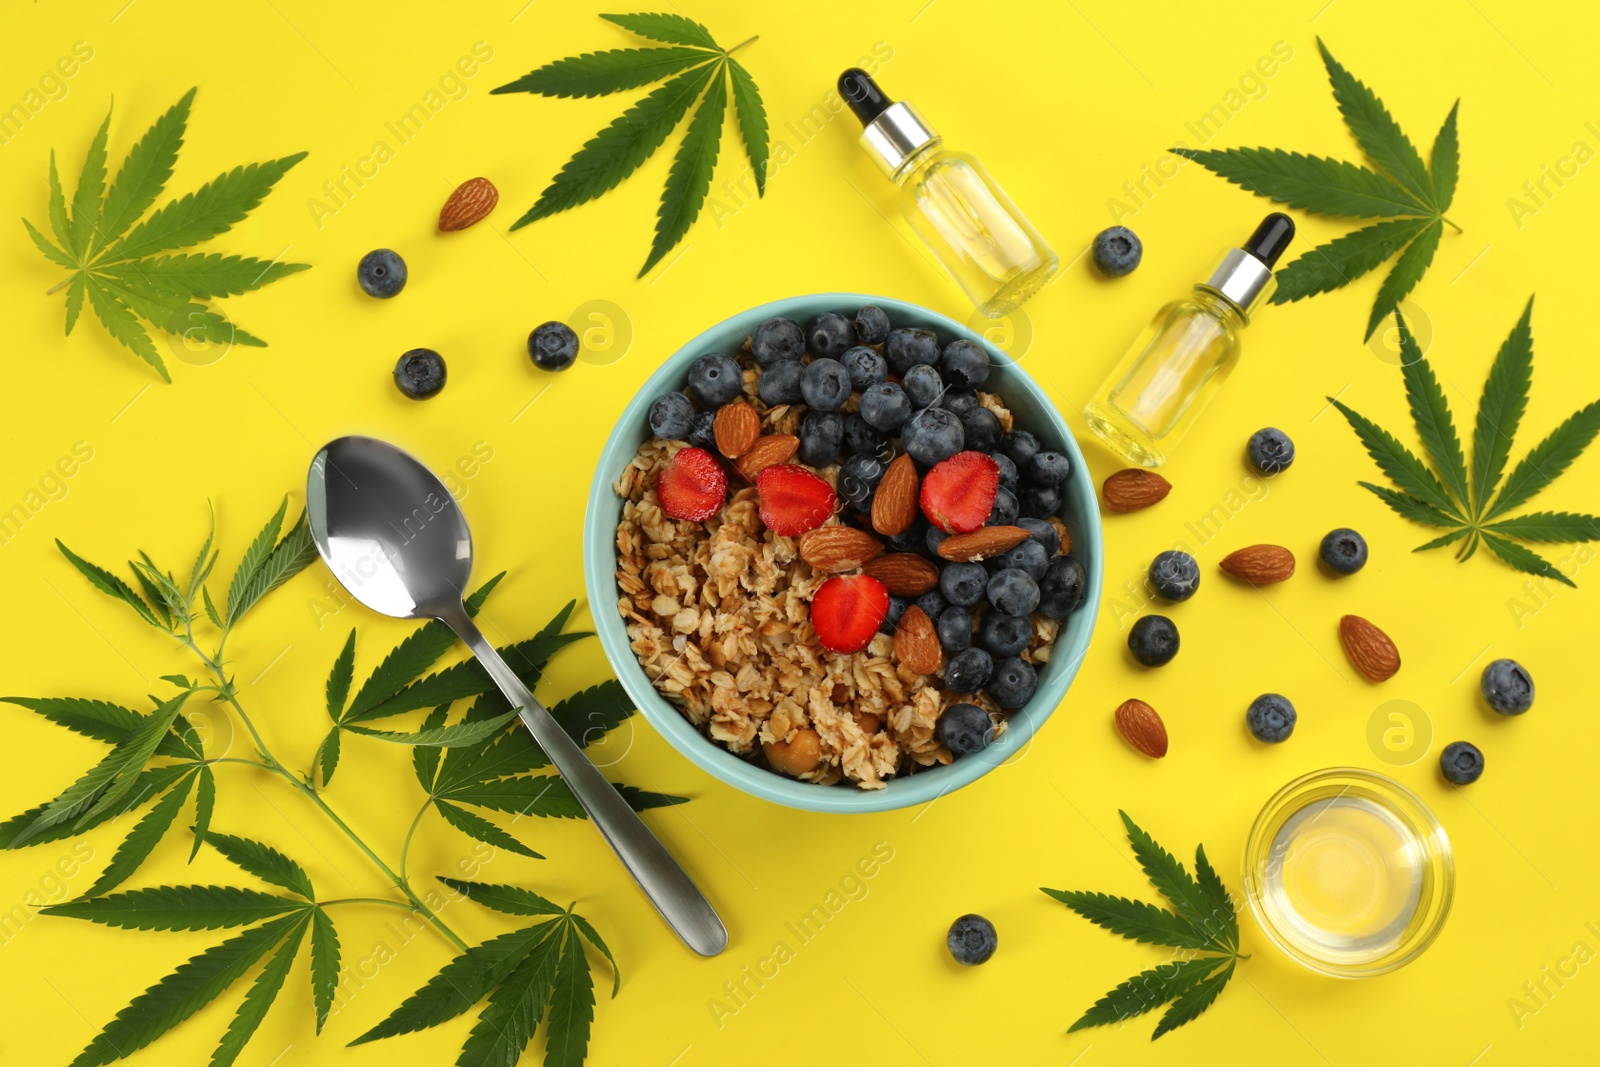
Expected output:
(1242, 280)
(897, 134)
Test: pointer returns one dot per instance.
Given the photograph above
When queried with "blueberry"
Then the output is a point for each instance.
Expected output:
(922, 385)
(1040, 501)
(420, 373)
(672, 417)
(1048, 468)
(1029, 557)
(1344, 551)
(1507, 687)
(981, 428)
(715, 380)
(954, 627)
(931, 435)
(858, 477)
(1013, 683)
(1062, 589)
(552, 346)
(702, 432)
(908, 347)
(1005, 635)
(964, 365)
(1116, 251)
(963, 583)
(885, 407)
(872, 326)
(865, 367)
(1271, 718)
(971, 939)
(1008, 469)
(1014, 591)
(1270, 450)
(830, 335)
(859, 437)
(1020, 445)
(967, 670)
(1004, 511)
(911, 538)
(1153, 640)
(780, 383)
(1044, 533)
(1174, 576)
(821, 433)
(897, 608)
(1461, 763)
(777, 340)
(932, 603)
(958, 401)
(964, 729)
(381, 273)
(825, 384)
(936, 538)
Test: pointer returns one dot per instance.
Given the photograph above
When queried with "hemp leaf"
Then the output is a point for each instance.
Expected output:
(1464, 503)
(128, 275)
(699, 69)
(1203, 924)
(1412, 195)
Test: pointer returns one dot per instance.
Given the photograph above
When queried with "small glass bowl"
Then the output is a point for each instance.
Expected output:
(1418, 836)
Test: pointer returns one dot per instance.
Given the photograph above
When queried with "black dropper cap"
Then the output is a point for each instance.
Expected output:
(1271, 238)
(863, 95)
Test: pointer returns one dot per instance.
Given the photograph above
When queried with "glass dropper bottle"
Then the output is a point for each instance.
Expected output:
(1157, 391)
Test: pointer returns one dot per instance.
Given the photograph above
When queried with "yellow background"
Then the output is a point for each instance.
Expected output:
(1066, 103)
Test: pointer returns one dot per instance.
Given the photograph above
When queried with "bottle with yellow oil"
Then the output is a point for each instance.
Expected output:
(1348, 872)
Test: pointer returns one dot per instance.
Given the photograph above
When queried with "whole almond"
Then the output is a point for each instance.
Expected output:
(1369, 648)
(1260, 564)
(894, 505)
(1142, 728)
(981, 543)
(736, 429)
(835, 549)
(1134, 488)
(916, 646)
(904, 573)
(470, 203)
(770, 449)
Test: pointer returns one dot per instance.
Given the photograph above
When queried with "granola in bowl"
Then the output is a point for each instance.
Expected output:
(723, 604)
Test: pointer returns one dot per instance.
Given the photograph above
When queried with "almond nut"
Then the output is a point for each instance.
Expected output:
(904, 573)
(894, 505)
(768, 450)
(471, 201)
(835, 549)
(981, 543)
(736, 429)
(1142, 728)
(1260, 564)
(916, 646)
(1369, 648)
(1134, 488)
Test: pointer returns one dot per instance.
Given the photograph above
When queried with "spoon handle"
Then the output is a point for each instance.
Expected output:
(663, 880)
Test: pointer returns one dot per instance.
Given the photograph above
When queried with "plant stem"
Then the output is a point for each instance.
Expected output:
(405, 847)
(1452, 225)
(368, 900)
(56, 288)
(741, 44)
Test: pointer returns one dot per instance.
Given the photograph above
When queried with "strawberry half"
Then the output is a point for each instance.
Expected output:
(847, 610)
(793, 500)
(693, 486)
(958, 493)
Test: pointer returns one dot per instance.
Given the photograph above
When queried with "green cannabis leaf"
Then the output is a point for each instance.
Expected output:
(1412, 195)
(1462, 502)
(1202, 923)
(698, 69)
(131, 274)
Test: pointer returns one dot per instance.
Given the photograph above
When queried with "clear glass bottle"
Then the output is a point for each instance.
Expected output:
(1168, 376)
(986, 244)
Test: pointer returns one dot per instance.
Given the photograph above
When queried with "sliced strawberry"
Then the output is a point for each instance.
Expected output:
(958, 493)
(847, 610)
(693, 486)
(793, 500)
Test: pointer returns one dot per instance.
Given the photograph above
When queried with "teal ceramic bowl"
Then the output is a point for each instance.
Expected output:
(1080, 512)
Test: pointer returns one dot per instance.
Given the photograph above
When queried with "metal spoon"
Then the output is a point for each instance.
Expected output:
(394, 537)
